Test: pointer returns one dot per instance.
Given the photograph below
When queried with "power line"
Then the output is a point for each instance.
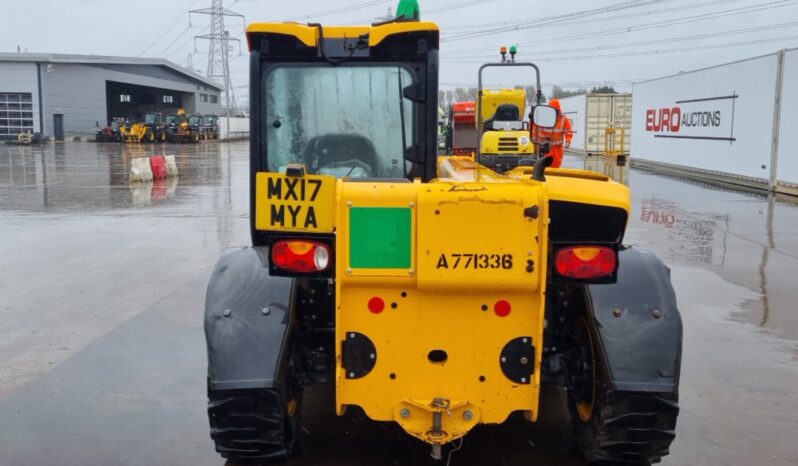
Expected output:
(647, 26)
(455, 6)
(664, 40)
(555, 18)
(166, 32)
(440, 9)
(176, 39)
(658, 52)
(180, 48)
(346, 9)
(679, 8)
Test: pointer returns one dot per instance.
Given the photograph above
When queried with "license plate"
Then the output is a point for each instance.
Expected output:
(294, 204)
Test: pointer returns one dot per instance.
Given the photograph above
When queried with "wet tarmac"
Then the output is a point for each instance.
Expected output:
(102, 357)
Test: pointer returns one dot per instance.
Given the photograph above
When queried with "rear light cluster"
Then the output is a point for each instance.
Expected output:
(301, 256)
(584, 262)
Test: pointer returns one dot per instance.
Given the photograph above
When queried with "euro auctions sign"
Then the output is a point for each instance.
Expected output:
(707, 118)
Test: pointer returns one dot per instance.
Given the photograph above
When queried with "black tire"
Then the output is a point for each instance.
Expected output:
(253, 425)
(621, 428)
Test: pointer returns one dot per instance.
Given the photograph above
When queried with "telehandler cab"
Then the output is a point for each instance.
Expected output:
(360, 276)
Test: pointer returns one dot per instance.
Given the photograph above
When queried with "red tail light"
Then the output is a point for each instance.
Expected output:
(300, 256)
(582, 262)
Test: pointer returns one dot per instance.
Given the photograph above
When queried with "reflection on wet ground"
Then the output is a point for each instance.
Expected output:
(749, 239)
(102, 358)
(90, 177)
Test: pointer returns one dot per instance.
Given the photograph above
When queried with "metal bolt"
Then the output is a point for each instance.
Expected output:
(349, 204)
(265, 311)
(412, 204)
(436, 452)
(351, 335)
(656, 313)
(352, 375)
(411, 272)
(348, 270)
(468, 415)
(504, 359)
(524, 340)
(524, 361)
(405, 413)
(523, 379)
(617, 312)
(227, 313)
(372, 355)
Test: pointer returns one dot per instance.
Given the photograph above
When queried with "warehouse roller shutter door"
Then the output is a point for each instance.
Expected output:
(16, 114)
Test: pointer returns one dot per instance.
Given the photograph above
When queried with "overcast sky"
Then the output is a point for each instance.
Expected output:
(577, 43)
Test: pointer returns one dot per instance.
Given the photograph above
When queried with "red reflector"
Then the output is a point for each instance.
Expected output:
(376, 305)
(582, 262)
(300, 256)
(502, 308)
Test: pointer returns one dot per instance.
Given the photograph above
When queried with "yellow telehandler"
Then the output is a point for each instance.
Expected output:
(431, 292)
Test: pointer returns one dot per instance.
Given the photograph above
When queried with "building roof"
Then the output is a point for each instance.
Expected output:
(106, 60)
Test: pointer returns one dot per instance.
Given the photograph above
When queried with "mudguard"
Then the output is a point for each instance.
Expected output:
(247, 321)
(637, 326)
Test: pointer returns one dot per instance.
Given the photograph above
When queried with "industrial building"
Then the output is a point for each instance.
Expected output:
(63, 96)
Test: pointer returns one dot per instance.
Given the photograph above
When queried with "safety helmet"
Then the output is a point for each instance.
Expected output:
(556, 104)
(181, 112)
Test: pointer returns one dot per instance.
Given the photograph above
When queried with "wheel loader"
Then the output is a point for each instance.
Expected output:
(209, 127)
(360, 275)
(152, 129)
(183, 128)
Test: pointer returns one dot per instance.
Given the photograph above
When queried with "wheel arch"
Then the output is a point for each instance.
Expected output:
(248, 317)
(636, 325)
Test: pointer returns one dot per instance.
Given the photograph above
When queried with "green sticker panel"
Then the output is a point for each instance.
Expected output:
(379, 237)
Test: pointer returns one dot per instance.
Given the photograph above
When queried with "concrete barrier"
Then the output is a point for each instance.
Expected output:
(158, 166)
(171, 165)
(140, 169)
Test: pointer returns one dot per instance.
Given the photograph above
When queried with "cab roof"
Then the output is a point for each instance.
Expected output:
(309, 35)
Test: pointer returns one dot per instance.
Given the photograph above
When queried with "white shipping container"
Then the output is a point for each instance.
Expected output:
(592, 114)
(717, 120)
(787, 165)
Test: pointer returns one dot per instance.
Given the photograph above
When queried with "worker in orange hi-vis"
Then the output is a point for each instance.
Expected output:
(558, 136)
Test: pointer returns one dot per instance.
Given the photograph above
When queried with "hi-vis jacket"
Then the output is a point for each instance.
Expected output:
(562, 131)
